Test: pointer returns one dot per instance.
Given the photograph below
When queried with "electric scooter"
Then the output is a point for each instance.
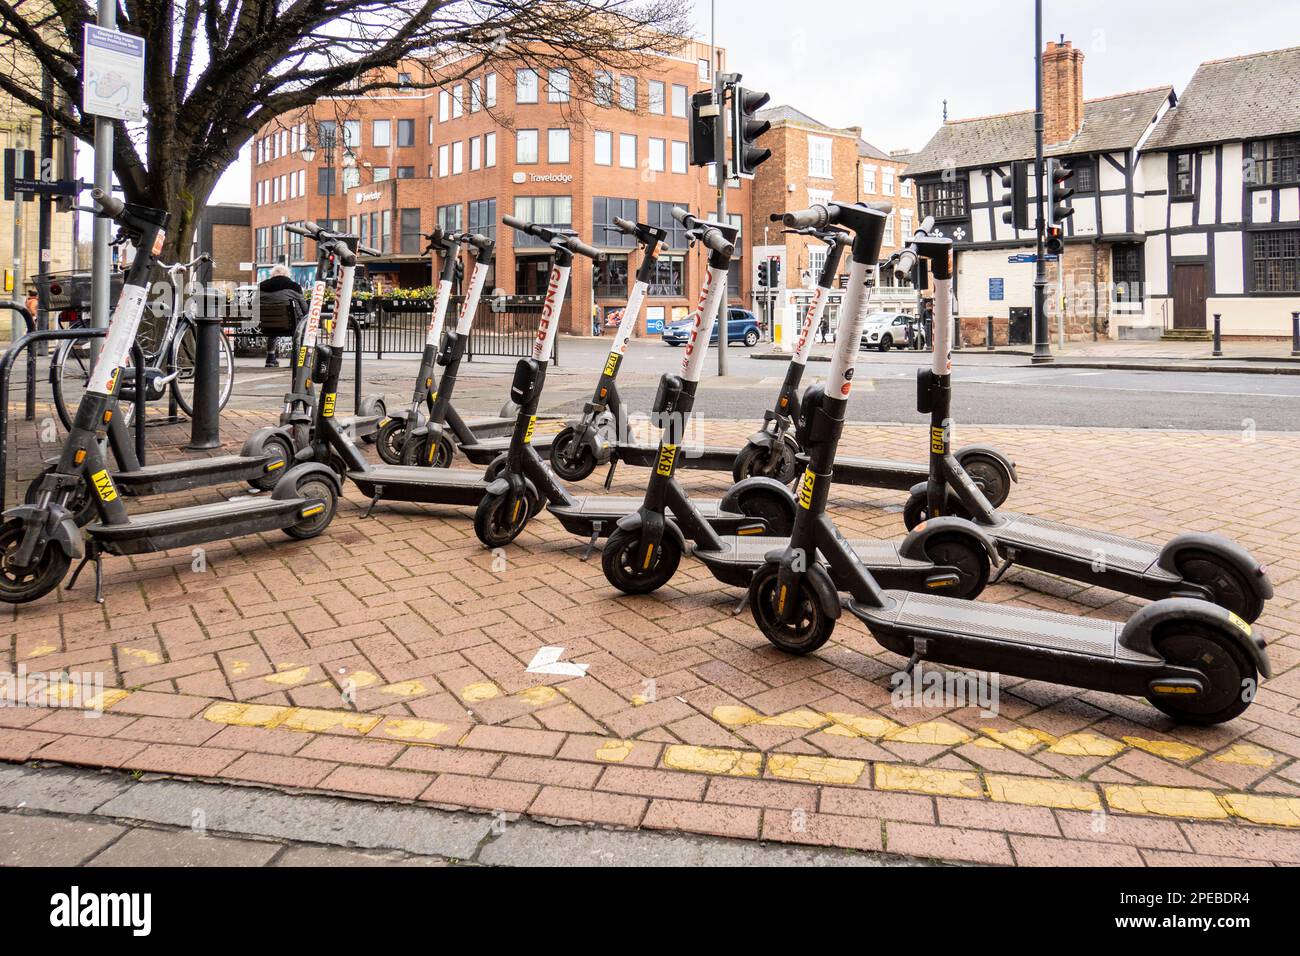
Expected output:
(1193, 565)
(39, 540)
(396, 443)
(946, 555)
(1195, 661)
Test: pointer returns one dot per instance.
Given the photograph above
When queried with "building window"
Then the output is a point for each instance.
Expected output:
(905, 220)
(943, 200)
(324, 181)
(406, 132)
(525, 86)
(444, 106)
(668, 277)
(1182, 175)
(886, 181)
(1085, 175)
(489, 149)
(381, 133)
(381, 173)
(603, 230)
(444, 159)
(1276, 255)
(457, 101)
(386, 231)
(905, 188)
(490, 90)
(603, 91)
(657, 155)
(627, 92)
(430, 130)
(405, 172)
(326, 134)
(679, 100)
(702, 70)
(655, 100)
(868, 179)
(888, 240)
(659, 215)
(627, 150)
(554, 212)
(475, 95)
(403, 79)
(483, 217)
(1126, 272)
(819, 157)
(557, 86)
(1270, 162)
(525, 146)
(409, 223)
(449, 218)
(557, 145)
(679, 156)
(611, 276)
(604, 153)
(475, 153)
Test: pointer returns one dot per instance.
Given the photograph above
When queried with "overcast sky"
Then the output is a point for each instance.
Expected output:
(888, 67)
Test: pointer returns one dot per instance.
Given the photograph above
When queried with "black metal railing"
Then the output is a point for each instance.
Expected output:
(503, 326)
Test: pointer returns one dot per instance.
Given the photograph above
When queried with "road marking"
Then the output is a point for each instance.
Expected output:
(547, 661)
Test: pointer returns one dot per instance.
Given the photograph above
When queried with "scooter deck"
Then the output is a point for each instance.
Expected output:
(708, 457)
(445, 486)
(485, 450)
(362, 426)
(175, 527)
(600, 514)
(1029, 533)
(162, 477)
(868, 472)
(743, 555)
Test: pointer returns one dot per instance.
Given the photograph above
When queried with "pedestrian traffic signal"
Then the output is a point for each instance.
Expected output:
(1055, 241)
(1017, 180)
(704, 128)
(746, 128)
(1059, 191)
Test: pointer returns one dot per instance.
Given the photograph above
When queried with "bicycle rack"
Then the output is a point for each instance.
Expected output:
(25, 344)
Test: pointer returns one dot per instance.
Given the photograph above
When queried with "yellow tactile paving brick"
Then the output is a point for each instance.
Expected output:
(1169, 749)
(1086, 745)
(288, 678)
(857, 725)
(1021, 739)
(799, 718)
(1166, 802)
(931, 780)
(246, 715)
(930, 732)
(614, 751)
(1037, 792)
(411, 728)
(480, 690)
(310, 720)
(1266, 811)
(809, 769)
(714, 760)
(1247, 755)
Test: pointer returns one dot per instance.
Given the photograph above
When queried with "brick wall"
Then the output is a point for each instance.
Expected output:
(1062, 91)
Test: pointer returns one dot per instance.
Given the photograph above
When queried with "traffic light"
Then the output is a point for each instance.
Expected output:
(1055, 241)
(746, 129)
(1017, 180)
(773, 273)
(1059, 191)
(704, 127)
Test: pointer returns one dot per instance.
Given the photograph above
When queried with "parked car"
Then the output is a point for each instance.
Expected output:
(742, 326)
(884, 330)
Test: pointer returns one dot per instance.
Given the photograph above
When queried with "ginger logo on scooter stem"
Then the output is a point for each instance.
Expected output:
(699, 321)
(548, 315)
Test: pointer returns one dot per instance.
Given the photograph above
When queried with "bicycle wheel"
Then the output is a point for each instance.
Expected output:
(69, 374)
(183, 353)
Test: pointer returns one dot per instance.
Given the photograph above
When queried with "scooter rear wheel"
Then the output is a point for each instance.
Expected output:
(772, 505)
(389, 439)
(442, 455)
(755, 461)
(1231, 676)
(990, 475)
(80, 504)
(917, 510)
(967, 556)
(812, 627)
(497, 524)
(628, 569)
(571, 460)
(1225, 583)
(279, 446)
(20, 587)
(314, 486)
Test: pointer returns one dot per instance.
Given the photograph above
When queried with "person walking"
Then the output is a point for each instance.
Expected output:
(279, 288)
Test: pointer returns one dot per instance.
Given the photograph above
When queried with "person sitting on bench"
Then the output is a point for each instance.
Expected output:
(279, 288)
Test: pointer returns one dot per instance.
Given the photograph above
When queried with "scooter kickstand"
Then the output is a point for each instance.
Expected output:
(591, 544)
(1002, 569)
(744, 603)
(373, 501)
(92, 554)
(609, 475)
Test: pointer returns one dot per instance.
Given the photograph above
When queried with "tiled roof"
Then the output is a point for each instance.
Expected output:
(1110, 123)
(788, 114)
(1237, 98)
(865, 149)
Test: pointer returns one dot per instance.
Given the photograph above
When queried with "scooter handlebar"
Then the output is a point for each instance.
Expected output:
(814, 217)
(625, 226)
(308, 229)
(712, 237)
(108, 206)
(580, 248)
(519, 224)
(906, 260)
(368, 250)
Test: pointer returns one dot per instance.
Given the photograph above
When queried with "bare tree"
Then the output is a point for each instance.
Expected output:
(219, 70)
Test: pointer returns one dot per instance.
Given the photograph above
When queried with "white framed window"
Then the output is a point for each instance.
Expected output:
(888, 240)
(489, 149)
(293, 185)
(604, 152)
(886, 181)
(382, 174)
(302, 182)
(819, 157)
(525, 86)
(655, 98)
(352, 133)
(557, 86)
(603, 91)
(627, 92)
(260, 184)
(457, 101)
(260, 151)
(868, 178)
(820, 197)
(475, 95)
(905, 218)
(905, 188)
(475, 153)
(381, 133)
(679, 156)
(557, 145)
(816, 260)
(525, 146)
(702, 69)
(679, 100)
(457, 157)
(627, 150)
(444, 159)
(656, 157)
(490, 90)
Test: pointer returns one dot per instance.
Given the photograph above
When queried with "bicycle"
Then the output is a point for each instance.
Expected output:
(169, 362)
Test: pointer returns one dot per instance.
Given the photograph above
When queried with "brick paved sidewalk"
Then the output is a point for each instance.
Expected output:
(388, 658)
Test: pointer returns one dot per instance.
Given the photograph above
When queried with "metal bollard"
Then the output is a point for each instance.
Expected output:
(1218, 336)
(205, 426)
(988, 335)
(1295, 333)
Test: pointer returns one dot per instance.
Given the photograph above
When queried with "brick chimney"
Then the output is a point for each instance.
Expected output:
(1062, 91)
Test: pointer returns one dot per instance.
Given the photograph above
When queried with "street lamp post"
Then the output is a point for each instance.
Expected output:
(327, 148)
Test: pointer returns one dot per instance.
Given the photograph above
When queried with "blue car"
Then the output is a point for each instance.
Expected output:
(742, 326)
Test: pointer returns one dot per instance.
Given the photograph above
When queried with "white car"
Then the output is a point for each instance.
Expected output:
(884, 330)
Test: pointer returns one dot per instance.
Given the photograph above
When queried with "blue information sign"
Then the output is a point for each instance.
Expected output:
(995, 289)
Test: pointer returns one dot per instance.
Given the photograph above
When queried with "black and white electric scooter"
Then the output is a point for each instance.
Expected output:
(1194, 564)
(39, 540)
(1194, 660)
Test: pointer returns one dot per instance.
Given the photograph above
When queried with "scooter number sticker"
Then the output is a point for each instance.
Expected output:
(806, 489)
(1239, 624)
(936, 440)
(104, 486)
(612, 363)
(667, 457)
(327, 410)
(528, 432)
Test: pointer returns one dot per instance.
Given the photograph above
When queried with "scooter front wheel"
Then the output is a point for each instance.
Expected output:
(497, 522)
(310, 525)
(990, 474)
(917, 510)
(1227, 587)
(21, 587)
(757, 461)
(634, 572)
(280, 450)
(80, 503)
(812, 625)
(389, 439)
(572, 460)
(1230, 677)
(441, 457)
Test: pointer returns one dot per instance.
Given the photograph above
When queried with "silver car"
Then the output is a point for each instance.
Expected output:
(884, 330)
